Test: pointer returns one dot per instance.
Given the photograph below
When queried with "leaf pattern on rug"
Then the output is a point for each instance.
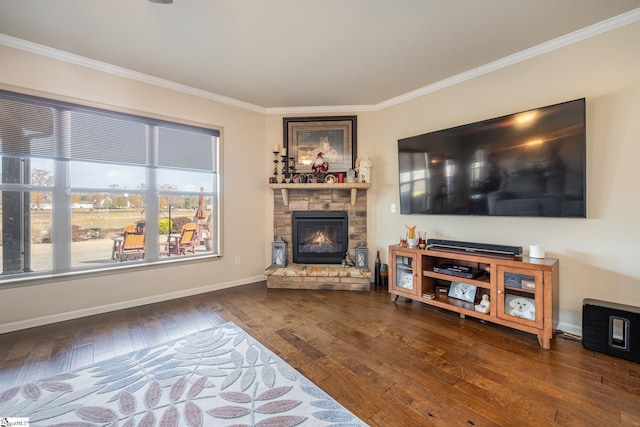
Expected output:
(208, 378)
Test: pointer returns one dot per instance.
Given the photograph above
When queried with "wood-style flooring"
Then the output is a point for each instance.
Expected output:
(391, 364)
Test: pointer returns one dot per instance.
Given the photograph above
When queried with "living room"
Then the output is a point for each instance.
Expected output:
(597, 254)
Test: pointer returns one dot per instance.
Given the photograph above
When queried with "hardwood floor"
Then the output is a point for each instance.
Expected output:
(392, 364)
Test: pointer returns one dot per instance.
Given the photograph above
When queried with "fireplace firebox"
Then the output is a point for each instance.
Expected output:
(319, 237)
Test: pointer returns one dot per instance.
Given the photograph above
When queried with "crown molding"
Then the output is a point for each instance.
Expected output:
(540, 49)
(321, 109)
(122, 72)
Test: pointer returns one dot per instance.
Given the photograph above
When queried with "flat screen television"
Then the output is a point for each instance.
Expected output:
(524, 164)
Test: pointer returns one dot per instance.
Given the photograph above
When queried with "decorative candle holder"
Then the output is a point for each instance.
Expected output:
(274, 179)
(292, 166)
(422, 239)
(284, 161)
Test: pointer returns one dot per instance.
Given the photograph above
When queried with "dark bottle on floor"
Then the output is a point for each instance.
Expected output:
(377, 270)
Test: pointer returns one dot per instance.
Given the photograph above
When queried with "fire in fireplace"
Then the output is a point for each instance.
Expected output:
(319, 237)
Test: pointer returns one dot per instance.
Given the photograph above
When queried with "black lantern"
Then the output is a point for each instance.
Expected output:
(278, 253)
(362, 256)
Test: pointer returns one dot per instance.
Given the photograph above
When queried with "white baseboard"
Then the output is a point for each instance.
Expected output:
(61, 317)
(572, 329)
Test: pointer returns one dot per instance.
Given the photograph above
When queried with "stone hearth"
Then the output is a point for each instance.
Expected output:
(319, 276)
(320, 197)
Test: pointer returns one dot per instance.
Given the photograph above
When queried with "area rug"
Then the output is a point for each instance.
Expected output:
(219, 377)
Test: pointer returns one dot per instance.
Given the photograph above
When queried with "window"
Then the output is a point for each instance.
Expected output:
(74, 179)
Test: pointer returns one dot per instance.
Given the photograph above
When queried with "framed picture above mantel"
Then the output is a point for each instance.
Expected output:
(335, 137)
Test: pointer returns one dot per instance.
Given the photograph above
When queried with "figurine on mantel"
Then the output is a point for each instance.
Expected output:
(320, 165)
(363, 166)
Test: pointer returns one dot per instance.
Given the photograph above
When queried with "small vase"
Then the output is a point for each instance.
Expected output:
(351, 175)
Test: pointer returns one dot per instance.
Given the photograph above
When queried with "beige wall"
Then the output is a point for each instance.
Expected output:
(598, 256)
(243, 194)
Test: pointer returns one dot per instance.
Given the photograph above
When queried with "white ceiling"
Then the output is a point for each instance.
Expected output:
(302, 53)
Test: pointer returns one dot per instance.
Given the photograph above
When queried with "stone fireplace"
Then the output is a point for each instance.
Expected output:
(319, 237)
(307, 200)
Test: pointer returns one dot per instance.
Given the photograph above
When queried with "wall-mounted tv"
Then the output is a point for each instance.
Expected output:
(524, 164)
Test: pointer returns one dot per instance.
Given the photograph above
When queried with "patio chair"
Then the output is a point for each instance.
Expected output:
(183, 244)
(117, 241)
(132, 246)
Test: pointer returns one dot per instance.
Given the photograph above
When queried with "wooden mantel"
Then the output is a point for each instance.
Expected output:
(353, 186)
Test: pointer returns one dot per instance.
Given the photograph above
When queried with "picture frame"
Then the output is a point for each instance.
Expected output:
(463, 291)
(404, 279)
(520, 306)
(334, 136)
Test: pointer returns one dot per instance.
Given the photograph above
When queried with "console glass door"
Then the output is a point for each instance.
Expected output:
(520, 295)
(404, 273)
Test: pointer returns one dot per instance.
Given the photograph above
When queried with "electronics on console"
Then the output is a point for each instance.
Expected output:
(459, 271)
(475, 247)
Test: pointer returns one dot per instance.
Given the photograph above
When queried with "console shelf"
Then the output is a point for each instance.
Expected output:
(522, 291)
(481, 282)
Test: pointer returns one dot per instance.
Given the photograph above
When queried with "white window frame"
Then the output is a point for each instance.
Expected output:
(61, 189)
